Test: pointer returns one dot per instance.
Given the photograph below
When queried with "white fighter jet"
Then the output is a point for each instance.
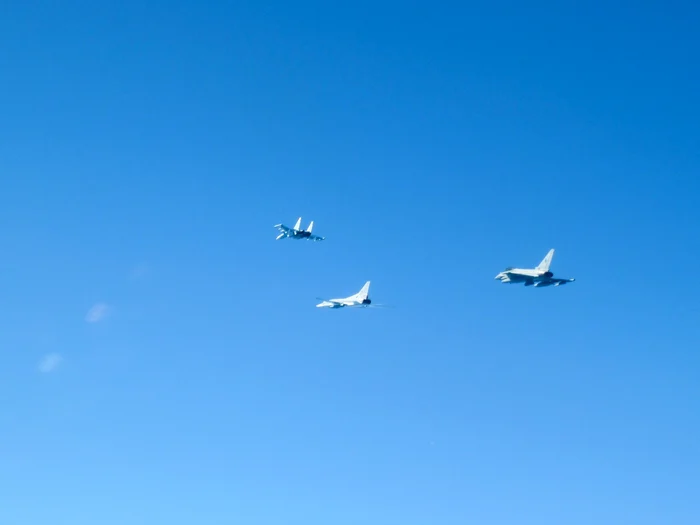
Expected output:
(297, 232)
(361, 298)
(538, 277)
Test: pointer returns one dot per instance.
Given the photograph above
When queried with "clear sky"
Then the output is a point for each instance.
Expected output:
(162, 359)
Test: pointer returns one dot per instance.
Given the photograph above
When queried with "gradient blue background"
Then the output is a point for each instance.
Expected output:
(146, 151)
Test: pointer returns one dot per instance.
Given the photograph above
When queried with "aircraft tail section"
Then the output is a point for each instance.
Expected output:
(311, 227)
(297, 226)
(546, 262)
(364, 292)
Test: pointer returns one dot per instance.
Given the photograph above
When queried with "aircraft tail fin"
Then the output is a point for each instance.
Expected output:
(297, 226)
(364, 292)
(311, 227)
(546, 262)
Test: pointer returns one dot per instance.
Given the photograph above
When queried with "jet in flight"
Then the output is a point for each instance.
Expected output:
(538, 277)
(297, 232)
(361, 298)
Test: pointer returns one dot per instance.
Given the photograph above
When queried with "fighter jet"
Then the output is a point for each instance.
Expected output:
(297, 232)
(361, 298)
(538, 277)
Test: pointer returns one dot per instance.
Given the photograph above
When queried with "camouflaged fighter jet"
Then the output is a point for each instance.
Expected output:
(297, 232)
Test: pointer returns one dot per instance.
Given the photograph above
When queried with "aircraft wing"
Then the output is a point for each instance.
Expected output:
(282, 228)
(341, 302)
(558, 282)
(552, 281)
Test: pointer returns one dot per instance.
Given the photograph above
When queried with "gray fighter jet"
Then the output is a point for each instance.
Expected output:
(538, 277)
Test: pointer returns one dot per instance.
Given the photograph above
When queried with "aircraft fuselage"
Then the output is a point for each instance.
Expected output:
(518, 275)
(342, 303)
(538, 277)
(534, 278)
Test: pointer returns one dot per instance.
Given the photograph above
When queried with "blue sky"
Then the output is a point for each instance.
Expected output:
(162, 359)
